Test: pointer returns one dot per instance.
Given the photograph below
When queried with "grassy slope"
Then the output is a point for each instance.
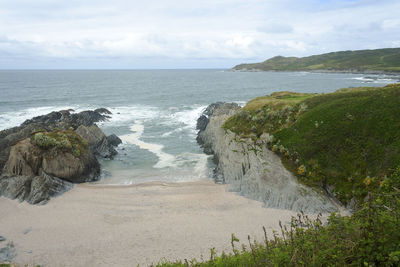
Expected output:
(379, 60)
(346, 139)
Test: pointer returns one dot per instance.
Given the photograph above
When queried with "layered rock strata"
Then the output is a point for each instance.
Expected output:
(251, 169)
(44, 156)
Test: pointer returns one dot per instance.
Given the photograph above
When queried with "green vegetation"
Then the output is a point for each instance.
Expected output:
(65, 140)
(369, 237)
(343, 139)
(387, 59)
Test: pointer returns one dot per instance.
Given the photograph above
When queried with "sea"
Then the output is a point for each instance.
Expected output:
(154, 112)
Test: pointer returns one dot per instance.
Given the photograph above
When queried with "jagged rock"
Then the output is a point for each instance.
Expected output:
(103, 111)
(34, 190)
(97, 140)
(55, 120)
(44, 187)
(7, 253)
(114, 140)
(27, 159)
(215, 109)
(15, 187)
(44, 156)
(256, 173)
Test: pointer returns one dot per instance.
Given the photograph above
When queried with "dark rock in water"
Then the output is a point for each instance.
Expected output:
(114, 140)
(2, 238)
(7, 253)
(202, 122)
(103, 111)
(97, 140)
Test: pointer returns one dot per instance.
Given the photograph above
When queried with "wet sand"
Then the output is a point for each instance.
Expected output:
(96, 225)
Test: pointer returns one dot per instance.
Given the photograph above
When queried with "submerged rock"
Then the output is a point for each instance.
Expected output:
(253, 170)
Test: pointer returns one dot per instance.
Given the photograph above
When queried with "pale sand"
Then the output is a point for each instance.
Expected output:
(125, 226)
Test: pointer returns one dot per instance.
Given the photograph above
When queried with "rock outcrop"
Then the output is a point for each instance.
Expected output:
(44, 156)
(251, 169)
(62, 120)
(98, 142)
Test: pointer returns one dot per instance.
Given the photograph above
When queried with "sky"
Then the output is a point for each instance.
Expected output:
(174, 34)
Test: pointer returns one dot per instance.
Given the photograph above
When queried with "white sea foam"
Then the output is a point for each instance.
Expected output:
(165, 159)
(374, 79)
(15, 118)
(123, 115)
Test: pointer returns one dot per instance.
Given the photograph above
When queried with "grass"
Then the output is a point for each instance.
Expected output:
(387, 59)
(369, 237)
(65, 140)
(338, 139)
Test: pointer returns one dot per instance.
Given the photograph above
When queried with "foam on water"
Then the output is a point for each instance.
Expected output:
(376, 79)
(15, 118)
(165, 159)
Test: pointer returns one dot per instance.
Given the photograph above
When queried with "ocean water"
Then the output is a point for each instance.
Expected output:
(154, 111)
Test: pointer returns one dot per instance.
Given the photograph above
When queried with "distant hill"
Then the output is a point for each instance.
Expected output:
(378, 60)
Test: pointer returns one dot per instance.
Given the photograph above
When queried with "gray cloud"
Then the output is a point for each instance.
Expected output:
(136, 33)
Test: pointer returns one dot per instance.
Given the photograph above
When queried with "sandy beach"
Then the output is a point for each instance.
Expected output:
(95, 225)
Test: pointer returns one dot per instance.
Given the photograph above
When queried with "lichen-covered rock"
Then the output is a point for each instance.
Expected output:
(256, 172)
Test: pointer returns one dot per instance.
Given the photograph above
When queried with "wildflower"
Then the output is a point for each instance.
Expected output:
(301, 170)
(367, 181)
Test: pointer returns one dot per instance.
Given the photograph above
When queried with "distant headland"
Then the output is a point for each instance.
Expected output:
(385, 60)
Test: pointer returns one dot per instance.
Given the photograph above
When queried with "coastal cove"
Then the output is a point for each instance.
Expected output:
(163, 104)
(189, 176)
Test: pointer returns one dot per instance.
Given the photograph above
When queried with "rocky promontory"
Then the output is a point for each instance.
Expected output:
(251, 169)
(46, 155)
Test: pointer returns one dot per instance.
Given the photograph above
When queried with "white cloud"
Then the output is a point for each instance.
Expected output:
(196, 31)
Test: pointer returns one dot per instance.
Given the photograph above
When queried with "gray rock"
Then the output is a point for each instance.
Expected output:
(45, 186)
(63, 120)
(7, 253)
(257, 174)
(114, 140)
(97, 140)
(15, 187)
(103, 111)
(34, 190)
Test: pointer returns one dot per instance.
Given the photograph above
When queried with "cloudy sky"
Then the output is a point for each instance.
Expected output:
(49, 34)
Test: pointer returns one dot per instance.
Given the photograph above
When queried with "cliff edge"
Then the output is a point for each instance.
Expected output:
(251, 168)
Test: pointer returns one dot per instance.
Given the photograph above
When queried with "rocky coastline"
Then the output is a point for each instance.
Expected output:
(251, 169)
(46, 155)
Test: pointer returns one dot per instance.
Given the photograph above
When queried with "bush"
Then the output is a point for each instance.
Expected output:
(64, 140)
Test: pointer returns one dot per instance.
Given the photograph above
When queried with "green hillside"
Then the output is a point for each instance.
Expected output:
(343, 139)
(380, 60)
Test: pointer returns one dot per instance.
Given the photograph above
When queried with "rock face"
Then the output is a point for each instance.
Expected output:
(44, 156)
(63, 120)
(97, 140)
(252, 169)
